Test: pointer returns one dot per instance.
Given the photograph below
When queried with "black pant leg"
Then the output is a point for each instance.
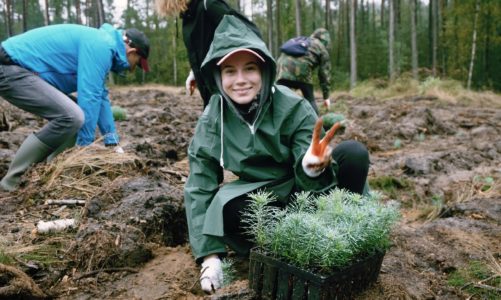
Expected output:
(353, 161)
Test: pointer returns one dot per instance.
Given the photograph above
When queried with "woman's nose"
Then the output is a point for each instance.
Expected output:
(240, 77)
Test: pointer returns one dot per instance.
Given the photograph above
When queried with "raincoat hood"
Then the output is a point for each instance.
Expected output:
(323, 35)
(230, 35)
(120, 62)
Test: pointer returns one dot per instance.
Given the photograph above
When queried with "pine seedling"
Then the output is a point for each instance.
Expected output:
(260, 216)
(302, 202)
(229, 272)
(329, 231)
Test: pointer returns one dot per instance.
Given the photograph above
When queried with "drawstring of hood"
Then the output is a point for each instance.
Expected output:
(221, 159)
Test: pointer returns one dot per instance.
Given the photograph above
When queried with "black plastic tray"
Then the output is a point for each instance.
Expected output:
(271, 278)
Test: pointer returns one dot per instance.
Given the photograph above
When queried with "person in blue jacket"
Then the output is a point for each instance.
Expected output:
(40, 68)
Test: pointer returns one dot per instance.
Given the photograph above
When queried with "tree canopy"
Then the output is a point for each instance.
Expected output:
(453, 39)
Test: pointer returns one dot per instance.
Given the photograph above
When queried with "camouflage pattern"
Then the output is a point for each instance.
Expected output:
(301, 68)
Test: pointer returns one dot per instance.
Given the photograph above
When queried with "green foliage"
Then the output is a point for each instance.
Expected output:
(330, 119)
(229, 271)
(397, 144)
(49, 253)
(380, 89)
(390, 185)
(323, 232)
(119, 113)
(169, 58)
(5, 258)
(450, 86)
(484, 183)
(476, 271)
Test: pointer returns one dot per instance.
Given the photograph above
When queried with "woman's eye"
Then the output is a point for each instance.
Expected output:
(251, 68)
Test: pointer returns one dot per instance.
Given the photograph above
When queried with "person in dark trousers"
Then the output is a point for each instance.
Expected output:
(200, 19)
(296, 72)
(266, 135)
(40, 68)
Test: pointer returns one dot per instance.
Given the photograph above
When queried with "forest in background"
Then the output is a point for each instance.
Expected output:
(372, 40)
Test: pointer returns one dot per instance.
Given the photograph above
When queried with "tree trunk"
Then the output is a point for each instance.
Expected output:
(327, 14)
(278, 25)
(100, 13)
(174, 57)
(269, 19)
(442, 42)
(298, 17)
(313, 14)
(46, 14)
(127, 14)
(434, 35)
(473, 44)
(8, 18)
(147, 12)
(373, 17)
(25, 15)
(382, 13)
(339, 32)
(391, 39)
(78, 18)
(414, 48)
(353, 45)
(487, 47)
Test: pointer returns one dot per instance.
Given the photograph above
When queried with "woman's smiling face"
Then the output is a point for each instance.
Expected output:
(241, 77)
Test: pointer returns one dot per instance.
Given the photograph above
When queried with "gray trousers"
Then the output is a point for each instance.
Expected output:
(31, 93)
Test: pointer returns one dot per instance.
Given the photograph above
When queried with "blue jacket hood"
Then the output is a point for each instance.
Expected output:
(120, 62)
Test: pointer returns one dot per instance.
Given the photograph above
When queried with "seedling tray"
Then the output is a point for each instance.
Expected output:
(271, 278)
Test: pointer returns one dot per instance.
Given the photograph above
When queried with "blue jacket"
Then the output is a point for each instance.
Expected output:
(75, 58)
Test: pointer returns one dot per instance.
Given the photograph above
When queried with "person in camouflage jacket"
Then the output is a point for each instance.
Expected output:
(297, 72)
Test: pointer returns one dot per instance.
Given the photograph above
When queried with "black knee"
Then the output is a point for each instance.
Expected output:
(352, 158)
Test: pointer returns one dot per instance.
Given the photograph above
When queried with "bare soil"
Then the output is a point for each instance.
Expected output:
(441, 159)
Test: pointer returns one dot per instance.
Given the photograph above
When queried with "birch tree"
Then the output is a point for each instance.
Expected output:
(473, 43)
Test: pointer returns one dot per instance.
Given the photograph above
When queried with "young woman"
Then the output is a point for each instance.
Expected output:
(200, 19)
(263, 134)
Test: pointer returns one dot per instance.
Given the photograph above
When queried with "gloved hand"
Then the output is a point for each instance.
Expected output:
(211, 275)
(327, 103)
(191, 84)
(318, 155)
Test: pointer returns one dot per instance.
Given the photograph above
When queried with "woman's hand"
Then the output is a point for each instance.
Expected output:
(318, 156)
(211, 275)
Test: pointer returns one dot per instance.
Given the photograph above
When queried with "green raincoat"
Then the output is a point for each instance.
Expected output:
(265, 155)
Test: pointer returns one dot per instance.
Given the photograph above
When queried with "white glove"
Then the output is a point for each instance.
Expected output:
(318, 155)
(190, 83)
(327, 103)
(314, 165)
(119, 149)
(211, 276)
